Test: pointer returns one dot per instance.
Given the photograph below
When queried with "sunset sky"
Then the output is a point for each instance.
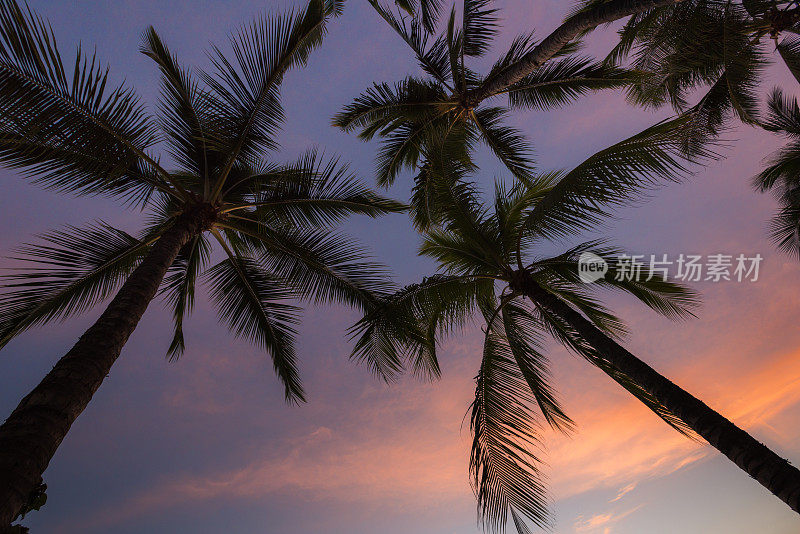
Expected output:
(207, 445)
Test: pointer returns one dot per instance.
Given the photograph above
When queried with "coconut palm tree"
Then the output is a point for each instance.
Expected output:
(494, 262)
(719, 46)
(402, 113)
(596, 12)
(782, 175)
(723, 48)
(271, 222)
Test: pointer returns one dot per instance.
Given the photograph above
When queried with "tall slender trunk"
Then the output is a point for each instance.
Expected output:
(770, 470)
(32, 433)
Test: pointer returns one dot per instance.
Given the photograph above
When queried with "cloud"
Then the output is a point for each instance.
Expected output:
(603, 522)
(624, 491)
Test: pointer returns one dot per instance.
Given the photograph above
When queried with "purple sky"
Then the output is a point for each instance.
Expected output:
(206, 445)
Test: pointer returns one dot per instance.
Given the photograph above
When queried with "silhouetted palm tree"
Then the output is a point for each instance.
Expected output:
(489, 261)
(718, 46)
(272, 222)
(782, 175)
(402, 114)
(580, 21)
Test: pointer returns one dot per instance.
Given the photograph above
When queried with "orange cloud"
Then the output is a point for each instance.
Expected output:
(602, 522)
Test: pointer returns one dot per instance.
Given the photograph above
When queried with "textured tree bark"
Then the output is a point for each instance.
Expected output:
(569, 30)
(32, 433)
(770, 470)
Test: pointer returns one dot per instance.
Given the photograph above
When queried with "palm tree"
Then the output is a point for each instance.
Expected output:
(720, 46)
(596, 12)
(488, 262)
(402, 113)
(782, 175)
(272, 222)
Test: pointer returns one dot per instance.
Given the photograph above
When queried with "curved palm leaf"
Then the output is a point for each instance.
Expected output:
(255, 306)
(506, 474)
(308, 192)
(247, 91)
(411, 320)
(71, 132)
(320, 266)
(179, 288)
(782, 174)
(72, 270)
(613, 176)
(563, 81)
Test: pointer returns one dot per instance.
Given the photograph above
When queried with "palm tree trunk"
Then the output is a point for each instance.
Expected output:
(773, 472)
(32, 433)
(553, 43)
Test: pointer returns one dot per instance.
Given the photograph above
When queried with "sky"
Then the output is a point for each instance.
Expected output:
(206, 444)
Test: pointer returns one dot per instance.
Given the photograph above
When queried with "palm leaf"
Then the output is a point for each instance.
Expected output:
(255, 307)
(319, 265)
(560, 82)
(382, 105)
(72, 132)
(186, 112)
(433, 59)
(613, 176)
(179, 288)
(71, 271)
(248, 89)
(480, 26)
(311, 191)
(406, 325)
(507, 143)
(506, 474)
(521, 329)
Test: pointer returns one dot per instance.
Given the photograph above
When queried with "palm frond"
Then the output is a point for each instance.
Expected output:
(507, 143)
(70, 132)
(783, 116)
(416, 34)
(782, 173)
(320, 266)
(404, 144)
(310, 192)
(186, 111)
(404, 327)
(427, 10)
(650, 286)
(256, 307)
(613, 176)
(247, 89)
(789, 49)
(506, 473)
(179, 288)
(382, 105)
(479, 27)
(70, 271)
(521, 330)
(560, 82)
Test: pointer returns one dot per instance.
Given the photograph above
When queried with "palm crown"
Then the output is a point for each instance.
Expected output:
(271, 221)
(723, 48)
(717, 45)
(484, 256)
(403, 114)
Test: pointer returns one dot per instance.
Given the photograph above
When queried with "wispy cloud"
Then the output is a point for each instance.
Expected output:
(602, 523)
